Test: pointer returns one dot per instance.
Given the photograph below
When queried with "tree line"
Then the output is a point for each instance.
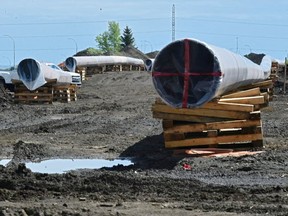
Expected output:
(111, 41)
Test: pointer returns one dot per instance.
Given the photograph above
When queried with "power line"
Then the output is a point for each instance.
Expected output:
(81, 35)
(40, 49)
(156, 31)
(54, 36)
(78, 22)
(57, 49)
(191, 19)
(234, 22)
(234, 35)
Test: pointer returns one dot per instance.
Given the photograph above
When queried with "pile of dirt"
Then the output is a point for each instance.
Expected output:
(23, 152)
(129, 51)
(152, 55)
(256, 58)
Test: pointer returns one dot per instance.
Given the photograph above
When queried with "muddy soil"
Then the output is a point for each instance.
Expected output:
(112, 119)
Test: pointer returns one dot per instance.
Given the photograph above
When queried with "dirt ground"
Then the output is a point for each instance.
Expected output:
(112, 118)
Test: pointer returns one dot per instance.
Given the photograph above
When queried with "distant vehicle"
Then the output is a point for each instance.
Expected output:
(76, 78)
(6, 77)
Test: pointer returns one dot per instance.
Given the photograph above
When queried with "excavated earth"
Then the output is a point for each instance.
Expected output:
(112, 119)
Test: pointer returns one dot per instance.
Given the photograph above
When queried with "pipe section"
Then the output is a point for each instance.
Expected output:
(34, 74)
(149, 64)
(189, 73)
(72, 62)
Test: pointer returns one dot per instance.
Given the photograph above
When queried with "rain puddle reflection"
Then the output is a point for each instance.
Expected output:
(60, 166)
(4, 162)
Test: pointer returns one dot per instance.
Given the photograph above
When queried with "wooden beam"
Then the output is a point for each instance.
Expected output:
(218, 105)
(213, 126)
(188, 118)
(175, 136)
(245, 93)
(214, 140)
(202, 112)
(229, 106)
(266, 96)
(264, 84)
(245, 100)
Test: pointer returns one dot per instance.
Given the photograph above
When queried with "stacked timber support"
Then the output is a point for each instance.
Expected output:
(65, 93)
(82, 72)
(266, 88)
(97, 69)
(274, 72)
(41, 95)
(232, 120)
(47, 93)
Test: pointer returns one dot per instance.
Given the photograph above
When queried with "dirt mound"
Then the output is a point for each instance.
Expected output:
(29, 152)
(153, 54)
(134, 52)
(256, 58)
(128, 51)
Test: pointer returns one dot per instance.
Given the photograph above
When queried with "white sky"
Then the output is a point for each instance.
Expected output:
(51, 30)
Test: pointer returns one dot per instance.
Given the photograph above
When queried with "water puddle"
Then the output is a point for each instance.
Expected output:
(4, 162)
(60, 166)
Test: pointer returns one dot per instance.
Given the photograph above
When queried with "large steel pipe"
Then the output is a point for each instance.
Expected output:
(72, 62)
(34, 74)
(188, 73)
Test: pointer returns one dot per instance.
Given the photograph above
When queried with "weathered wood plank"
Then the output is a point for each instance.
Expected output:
(202, 112)
(263, 84)
(188, 118)
(229, 106)
(245, 100)
(244, 93)
(214, 140)
(217, 105)
(199, 127)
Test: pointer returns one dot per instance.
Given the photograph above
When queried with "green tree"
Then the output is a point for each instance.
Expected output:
(110, 41)
(127, 38)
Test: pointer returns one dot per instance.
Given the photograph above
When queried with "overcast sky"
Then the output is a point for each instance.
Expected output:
(52, 30)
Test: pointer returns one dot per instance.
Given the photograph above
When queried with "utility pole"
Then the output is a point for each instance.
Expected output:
(285, 76)
(76, 45)
(237, 48)
(14, 64)
(173, 22)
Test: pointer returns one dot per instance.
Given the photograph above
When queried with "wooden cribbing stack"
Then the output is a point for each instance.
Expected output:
(232, 120)
(65, 93)
(87, 72)
(47, 93)
(82, 72)
(41, 95)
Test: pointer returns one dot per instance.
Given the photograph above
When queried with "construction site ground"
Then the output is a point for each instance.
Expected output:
(112, 118)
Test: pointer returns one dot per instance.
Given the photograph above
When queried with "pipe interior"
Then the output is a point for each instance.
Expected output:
(173, 59)
(28, 70)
